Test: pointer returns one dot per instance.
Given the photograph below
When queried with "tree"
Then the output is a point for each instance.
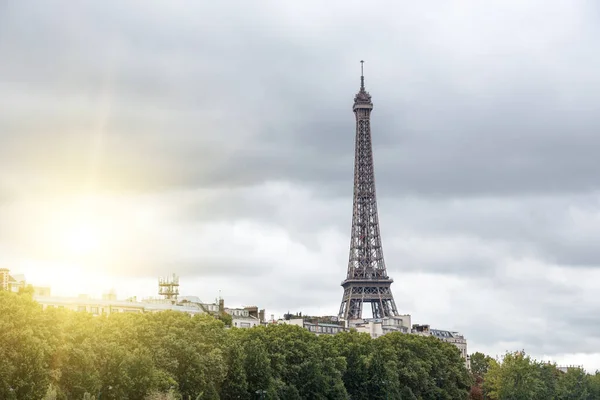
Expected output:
(476, 391)
(257, 366)
(59, 354)
(429, 367)
(235, 385)
(25, 354)
(383, 372)
(480, 364)
(594, 385)
(170, 395)
(549, 375)
(355, 348)
(515, 377)
(226, 318)
(573, 385)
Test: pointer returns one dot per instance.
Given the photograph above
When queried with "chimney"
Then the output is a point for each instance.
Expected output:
(252, 311)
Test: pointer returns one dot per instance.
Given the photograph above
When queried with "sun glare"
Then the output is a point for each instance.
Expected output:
(86, 239)
(82, 239)
(77, 233)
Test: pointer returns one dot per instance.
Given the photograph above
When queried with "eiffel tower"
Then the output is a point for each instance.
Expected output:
(367, 280)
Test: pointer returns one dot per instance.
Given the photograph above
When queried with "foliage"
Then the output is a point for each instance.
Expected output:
(226, 318)
(56, 354)
(517, 376)
(594, 385)
(480, 364)
(25, 348)
(573, 385)
(170, 395)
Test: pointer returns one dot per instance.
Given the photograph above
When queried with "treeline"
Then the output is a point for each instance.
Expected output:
(517, 376)
(60, 354)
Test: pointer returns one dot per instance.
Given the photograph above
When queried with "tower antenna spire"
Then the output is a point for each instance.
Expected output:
(362, 75)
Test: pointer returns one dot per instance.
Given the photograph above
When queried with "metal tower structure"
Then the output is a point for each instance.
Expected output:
(168, 287)
(367, 280)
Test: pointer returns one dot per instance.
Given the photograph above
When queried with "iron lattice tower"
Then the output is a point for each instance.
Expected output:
(367, 280)
(169, 287)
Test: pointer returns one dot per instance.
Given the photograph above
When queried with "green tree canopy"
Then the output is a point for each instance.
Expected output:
(55, 354)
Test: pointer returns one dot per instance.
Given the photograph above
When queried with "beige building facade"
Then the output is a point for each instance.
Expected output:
(377, 327)
(454, 338)
(14, 283)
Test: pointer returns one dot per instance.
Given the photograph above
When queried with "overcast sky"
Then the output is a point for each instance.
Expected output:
(215, 140)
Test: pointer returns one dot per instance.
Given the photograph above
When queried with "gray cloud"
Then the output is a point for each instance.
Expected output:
(229, 130)
(503, 120)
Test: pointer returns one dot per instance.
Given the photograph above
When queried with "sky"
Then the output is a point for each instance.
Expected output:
(215, 140)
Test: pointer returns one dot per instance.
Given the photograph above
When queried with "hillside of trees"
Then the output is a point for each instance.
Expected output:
(60, 354)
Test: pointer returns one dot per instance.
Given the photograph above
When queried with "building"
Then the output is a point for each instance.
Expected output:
(253, 311)
(15, 283)
(109, 305)
(11, 283)
(247, 317)
(565, 368)
(241, 318)
(5, 279)
(210, 308)
(454, 338)
(318, 326)
(377, 327)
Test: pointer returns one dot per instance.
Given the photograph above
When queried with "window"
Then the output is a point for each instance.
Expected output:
(94, 310)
